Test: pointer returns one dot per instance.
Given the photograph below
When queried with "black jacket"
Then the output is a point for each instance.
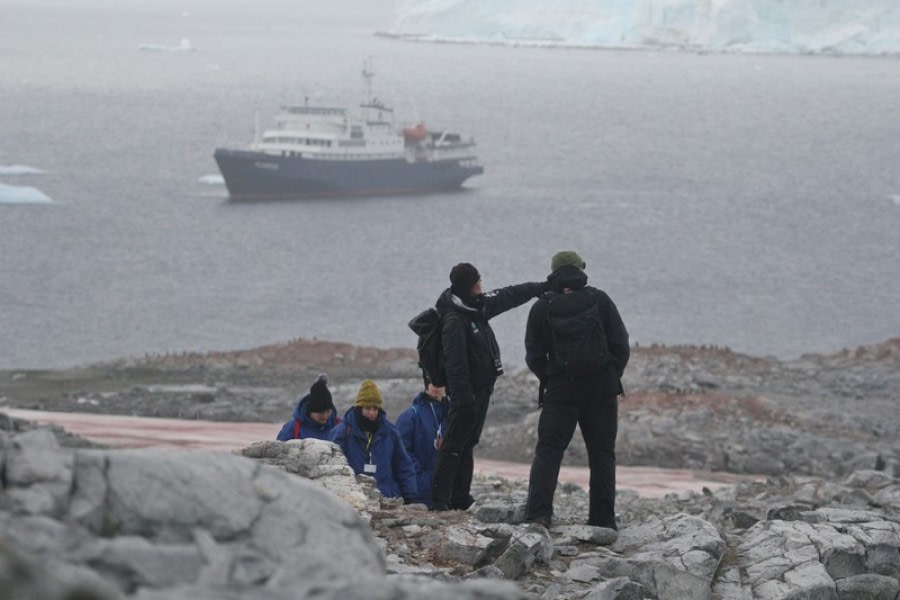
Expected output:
(471, 354)
(539, 341)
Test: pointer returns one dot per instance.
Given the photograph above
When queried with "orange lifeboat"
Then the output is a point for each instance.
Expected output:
(415, 134)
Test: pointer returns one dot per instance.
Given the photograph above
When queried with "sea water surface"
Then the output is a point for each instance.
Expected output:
(744, 201)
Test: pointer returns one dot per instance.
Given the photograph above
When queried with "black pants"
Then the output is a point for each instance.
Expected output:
(453, 467)
(566, 403)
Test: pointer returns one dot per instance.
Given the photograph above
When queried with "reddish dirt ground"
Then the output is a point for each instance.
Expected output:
(146, 432)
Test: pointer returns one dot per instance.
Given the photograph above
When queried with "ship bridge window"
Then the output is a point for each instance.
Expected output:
(356, 132)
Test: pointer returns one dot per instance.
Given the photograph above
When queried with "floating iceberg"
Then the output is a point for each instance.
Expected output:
(13, 194)
(212, 180)
(19, 170)
(184, 46)
(753, 26)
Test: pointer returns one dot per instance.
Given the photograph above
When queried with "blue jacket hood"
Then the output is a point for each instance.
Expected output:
(308, 427)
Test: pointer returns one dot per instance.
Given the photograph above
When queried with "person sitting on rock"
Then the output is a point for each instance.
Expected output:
(314, 416)
(372, 445)
(421, 427)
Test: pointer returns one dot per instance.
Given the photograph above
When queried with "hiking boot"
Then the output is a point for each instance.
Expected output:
(603, 525)
(544, 522)
(462, 504)
(440, 507)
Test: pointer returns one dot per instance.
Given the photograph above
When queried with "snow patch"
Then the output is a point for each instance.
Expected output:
(19, 170)
(212, 180)
(752, 26)
(13, 194)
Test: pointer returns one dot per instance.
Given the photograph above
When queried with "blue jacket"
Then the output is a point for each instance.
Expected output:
(395, 474)
(418, 426)
(303, 426)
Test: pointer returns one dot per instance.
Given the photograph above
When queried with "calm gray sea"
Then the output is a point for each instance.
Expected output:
(744, 201)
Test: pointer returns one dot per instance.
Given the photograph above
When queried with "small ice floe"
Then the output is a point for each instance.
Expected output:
(212, 180)
(14, 194)
(184, 46)
(19, 170)
(90, 401)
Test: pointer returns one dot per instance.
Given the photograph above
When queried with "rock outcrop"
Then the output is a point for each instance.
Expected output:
(162, 524)
(785, 538)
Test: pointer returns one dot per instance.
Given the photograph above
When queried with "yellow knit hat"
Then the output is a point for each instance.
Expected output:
(368, 394)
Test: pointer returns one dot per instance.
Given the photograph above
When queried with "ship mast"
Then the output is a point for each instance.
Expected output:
(368, 73)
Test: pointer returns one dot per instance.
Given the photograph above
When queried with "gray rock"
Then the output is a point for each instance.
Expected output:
(134, 561)
(164, 495)
(25, 579)
(620, 588)
(602, 536)
(322, 462)
(868, 587)
(524, 549)
(465, 546)
(500, 511)
(788, 512)
(584, 573)
(88, 502)
(38, 474)
(780, 559)
(675, 557)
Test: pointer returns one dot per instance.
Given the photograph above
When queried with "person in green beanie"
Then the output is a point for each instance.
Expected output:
(373, 446)
(577, 345)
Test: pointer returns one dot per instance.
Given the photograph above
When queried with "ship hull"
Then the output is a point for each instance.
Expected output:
(257, 176)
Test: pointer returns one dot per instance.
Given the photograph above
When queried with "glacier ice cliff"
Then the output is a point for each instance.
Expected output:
(870, 27)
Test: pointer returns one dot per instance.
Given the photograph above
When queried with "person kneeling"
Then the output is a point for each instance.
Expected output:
(372, 445)
(314, 416)
(421, 428)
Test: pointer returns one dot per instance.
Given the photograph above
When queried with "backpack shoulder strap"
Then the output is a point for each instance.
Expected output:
(296, 428)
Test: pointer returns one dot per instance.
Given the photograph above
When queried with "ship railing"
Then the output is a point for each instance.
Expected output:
(356, 156)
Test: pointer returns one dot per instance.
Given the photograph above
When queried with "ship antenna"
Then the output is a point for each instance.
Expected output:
(368, 73)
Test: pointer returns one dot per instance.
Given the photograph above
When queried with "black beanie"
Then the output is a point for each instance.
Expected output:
(319, 396)
(463, 278)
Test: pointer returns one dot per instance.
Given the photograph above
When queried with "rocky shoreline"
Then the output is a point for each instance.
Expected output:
(686, 407)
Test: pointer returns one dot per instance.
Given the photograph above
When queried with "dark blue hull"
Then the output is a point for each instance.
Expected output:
(253, 175)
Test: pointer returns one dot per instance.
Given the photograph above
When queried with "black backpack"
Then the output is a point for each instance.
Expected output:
(579, 340)
(427, 325)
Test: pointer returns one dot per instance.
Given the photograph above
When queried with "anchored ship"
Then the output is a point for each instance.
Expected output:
(320, 151)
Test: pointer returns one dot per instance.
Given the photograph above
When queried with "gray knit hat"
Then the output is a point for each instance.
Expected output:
(565, 258)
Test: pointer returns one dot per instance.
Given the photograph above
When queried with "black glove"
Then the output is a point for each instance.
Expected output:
(545, 286)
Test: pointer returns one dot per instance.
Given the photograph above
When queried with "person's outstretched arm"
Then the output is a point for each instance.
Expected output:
(501, 300)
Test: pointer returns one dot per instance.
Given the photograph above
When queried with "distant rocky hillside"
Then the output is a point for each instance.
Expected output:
(686, 406)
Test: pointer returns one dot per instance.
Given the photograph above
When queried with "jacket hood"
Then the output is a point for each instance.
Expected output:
(301, 413)
(423, 399)
(569, 276)
(448, 301)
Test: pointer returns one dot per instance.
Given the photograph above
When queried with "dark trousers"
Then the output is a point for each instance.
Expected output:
(567, 402)
(453, 467)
